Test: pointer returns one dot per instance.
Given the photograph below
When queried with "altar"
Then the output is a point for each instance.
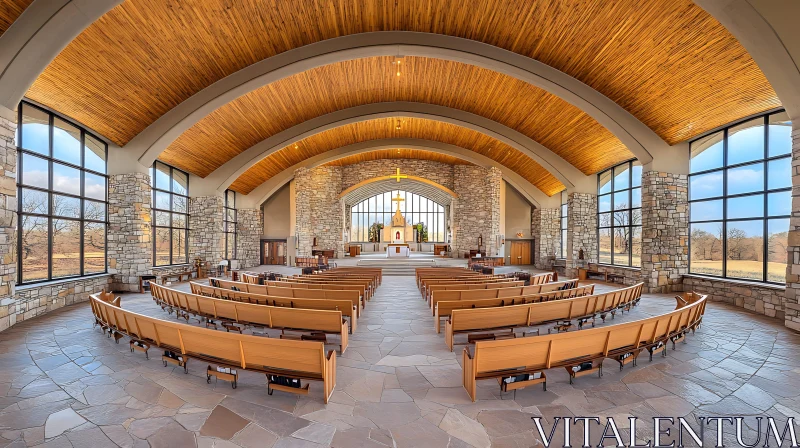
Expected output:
(398, 234)
(398, 250)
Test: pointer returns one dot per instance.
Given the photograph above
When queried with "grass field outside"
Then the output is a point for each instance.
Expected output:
(741, 269)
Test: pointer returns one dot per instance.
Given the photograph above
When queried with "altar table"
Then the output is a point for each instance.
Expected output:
(397, 250)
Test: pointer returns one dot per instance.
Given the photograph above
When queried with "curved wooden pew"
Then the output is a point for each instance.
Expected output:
(366, 284)
(305, 360)
(444, 308)
(512, 358)
(347, 270)
(426, 283)
(582, 309)
(509, 283)
(275, 317)
(347, 307)
(493, 293)
(353, 293)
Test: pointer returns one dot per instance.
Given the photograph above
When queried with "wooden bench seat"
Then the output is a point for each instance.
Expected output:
(511, 283)
(275, 317)
(354, 293)
(425, 282)
(177, 276)
(521, 316)
(444, 308)
(622, 342)
(305, 360)
(492, 293)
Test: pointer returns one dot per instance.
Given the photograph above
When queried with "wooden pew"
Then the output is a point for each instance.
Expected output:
(275, 317)
(355, 293)
(305, 360)
(347, 307)
(377, 272)
(533, 356)
(491, 293)
(583, 309)
(365, 283)
(444, 308)
(426, 282)
(509, 283)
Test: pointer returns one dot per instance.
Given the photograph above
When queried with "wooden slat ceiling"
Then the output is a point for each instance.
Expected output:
(10, 10)
(399, 153)
(251, 118)
(669, 63)
(387, 128)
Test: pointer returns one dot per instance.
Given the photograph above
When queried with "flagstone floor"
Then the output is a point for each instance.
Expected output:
(63, 383)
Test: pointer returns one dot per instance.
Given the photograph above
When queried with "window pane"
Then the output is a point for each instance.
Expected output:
(605, 182)
(162, 247)
(745, 249)
(780, 134)
(34, 201)
(563, 244)
(34, 248)
(706, 210)
(621, 218)
(66, 142)
(604, 220)
(179, 204)
(66, 248)
(94, 248)
(66, 179)
(746, 207)
(746, 142)
(94, 154)
(636, 195)
(706, 243)
(66, 206)
(95, 187)
(621, 200)
(621, 245)
(636, 217)
(178, 246)
(231, 198)
(162, 200)
(95, 211)
(180, 182)
(705, 186)
(162, 219)
(35, 171)
(231, 245)
(621, 177)
(636, 174)
(179, 220)
(778, 237)
(604, 203)
(779, 204)
(779, 173)
(605, 246)
(746, 179)
(35, 130)
(636, 240)
(162, 176)
(706, 153)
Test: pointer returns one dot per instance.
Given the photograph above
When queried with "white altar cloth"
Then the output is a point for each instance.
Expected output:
(397, 251)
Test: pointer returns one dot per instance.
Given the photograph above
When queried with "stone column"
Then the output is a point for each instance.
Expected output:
(792, 305)
(581, 230)
(546, 230)
(130, 248)
(206, 229)
(318, 211)
(8, 222)
(665, 231)
(250, 225)
(477, 210)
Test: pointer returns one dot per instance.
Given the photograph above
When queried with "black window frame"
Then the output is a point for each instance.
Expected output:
(563, 224)
(412, 214)
(630, 210)
(228, 210)
(155, 189)
(766, 191)
(50, 191)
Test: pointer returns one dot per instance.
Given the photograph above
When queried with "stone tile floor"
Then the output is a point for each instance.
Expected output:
(62, 384)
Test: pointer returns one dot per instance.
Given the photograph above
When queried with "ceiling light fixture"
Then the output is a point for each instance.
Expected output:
(397, 126)
(398, 61)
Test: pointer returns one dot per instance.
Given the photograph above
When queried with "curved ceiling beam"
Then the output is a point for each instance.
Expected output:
(388, 183)
(37, 37)
(768, 31)
(225, 175)
(635, 135)
(531, 193)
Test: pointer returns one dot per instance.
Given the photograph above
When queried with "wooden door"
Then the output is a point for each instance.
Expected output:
(274, 252)
(521, 252)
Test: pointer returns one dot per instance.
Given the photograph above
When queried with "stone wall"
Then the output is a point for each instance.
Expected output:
(477, 208)
(250, 221)
(37, 300)
(546, 230)
(665, 231)
(581, 230)
(130, 250)
(438, 172)
(761, 299)
(8, 222)
(792, 304)
(319, 211)
(206, 236)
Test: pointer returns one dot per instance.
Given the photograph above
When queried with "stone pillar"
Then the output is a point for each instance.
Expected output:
(792, 304)
(477, 209)
(546, 230)
(581, 231)
(665, 231)
(8, 222)
(250, 225)
(318, 209)
(206, 229)
(130, 248)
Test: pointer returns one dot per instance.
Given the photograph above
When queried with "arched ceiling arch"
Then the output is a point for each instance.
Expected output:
(384, 184)
(383, 128)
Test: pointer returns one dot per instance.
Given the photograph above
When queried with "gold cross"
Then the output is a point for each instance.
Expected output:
(398, 176)
(398, 199)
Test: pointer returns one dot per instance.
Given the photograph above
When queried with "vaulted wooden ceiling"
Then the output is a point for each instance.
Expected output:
(10, 10)
(398, 154)
(387, 128)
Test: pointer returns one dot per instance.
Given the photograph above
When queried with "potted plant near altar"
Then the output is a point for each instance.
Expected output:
(374, 235)
(422, 232)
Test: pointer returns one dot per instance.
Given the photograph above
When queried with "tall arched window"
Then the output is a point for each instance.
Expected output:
(380, 208)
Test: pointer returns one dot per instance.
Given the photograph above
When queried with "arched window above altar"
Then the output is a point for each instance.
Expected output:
(372, 219)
